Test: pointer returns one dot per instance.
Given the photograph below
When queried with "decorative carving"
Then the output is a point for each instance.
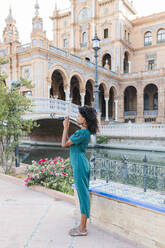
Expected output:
(84, 14)
(26, 72)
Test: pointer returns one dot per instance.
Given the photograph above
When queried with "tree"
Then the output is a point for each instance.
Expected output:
(12, 124)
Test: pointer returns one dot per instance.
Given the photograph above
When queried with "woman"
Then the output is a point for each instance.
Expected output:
(78, 143)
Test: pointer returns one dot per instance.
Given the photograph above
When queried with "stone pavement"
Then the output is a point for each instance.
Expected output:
(30, 219)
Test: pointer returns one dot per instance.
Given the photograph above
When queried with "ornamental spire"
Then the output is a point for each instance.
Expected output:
(37, 7)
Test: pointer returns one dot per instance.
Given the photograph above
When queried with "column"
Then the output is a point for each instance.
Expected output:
(82, 98)
(106, 109)
(140, 103)
(68, 100)
(116, 110)
(161, 102)
(129, 66)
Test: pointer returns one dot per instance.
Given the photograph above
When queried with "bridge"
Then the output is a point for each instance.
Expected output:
(49, 108)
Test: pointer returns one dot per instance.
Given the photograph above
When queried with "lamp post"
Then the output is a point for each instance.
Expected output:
(14, 85)
(96, 47)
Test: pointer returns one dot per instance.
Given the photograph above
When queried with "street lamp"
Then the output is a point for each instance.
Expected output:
(15, 84)
(96, 47)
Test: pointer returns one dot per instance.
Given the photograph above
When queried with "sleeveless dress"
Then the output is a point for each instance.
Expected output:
(81, 168)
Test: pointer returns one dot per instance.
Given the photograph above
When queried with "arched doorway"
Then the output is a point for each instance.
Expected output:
(150, 97)
(102, 100)
(106, 61)
(130, 101)
(126, 62)
(112, 96)
(75, 90)
(89, 93)
(57, 86)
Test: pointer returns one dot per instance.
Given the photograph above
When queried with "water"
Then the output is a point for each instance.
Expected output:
(28, 154)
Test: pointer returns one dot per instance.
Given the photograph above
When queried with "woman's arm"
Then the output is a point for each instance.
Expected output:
(65, 142)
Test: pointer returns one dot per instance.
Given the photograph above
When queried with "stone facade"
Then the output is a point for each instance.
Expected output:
(131, 59)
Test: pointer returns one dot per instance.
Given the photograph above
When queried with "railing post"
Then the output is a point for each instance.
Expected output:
(145, 173)
(93, 165)
(124, 169)
(107, 167)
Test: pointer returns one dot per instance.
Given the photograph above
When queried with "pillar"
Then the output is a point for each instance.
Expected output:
(140, 103)
(116, 110)
(129, 66)
(68, 100)
(82, 98)
(106, 109)
(121, 108)
(161, 102)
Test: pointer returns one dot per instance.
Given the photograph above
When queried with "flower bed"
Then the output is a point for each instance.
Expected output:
(54, 174)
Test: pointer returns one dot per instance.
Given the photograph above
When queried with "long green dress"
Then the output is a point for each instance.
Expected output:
(81, 168)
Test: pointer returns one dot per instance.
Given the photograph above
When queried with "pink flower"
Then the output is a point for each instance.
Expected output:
(62, 167)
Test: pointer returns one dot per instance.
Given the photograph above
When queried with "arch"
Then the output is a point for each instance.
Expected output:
(80, 79)
(61, 69)
(161, 35)
(104, 84)
(150, 97)
(89, 98)
(102, 99)
(126, 63)
(75, 90)
(130, 99)
(106, 61)
(111, 102)
(148, 38)
(57, 85)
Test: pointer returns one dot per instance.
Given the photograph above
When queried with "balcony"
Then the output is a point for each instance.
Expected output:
(150, 112)
(130, 113)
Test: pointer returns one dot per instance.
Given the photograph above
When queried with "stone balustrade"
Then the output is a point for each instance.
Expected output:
(46, 106)
(133, 130)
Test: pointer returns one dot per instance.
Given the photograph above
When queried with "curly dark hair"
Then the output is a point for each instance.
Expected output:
(90, 115)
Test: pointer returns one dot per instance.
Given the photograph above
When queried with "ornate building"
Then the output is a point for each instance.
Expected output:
(131, 59)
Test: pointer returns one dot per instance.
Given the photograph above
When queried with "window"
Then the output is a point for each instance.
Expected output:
(125, 35)
(151, 64)
(128, 36)
(161, 36)
(65, 42)
(105, 33)
(34, 42)
(87, 59)
(41, 43)
(148, 39)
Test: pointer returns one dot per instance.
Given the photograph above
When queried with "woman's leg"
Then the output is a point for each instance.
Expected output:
(83, 222)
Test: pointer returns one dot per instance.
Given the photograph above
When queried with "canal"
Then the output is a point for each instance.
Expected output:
(29, 153)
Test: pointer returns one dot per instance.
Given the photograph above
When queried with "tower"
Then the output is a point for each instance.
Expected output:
(10, 33)
(38, 35)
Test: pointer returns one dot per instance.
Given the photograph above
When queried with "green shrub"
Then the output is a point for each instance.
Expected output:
(55, 174)
(102, 139)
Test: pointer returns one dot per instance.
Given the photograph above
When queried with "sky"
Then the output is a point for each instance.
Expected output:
(23, 12)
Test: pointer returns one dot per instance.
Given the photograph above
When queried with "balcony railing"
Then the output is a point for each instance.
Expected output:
(150, 112)
(130, 113)
(23, 48)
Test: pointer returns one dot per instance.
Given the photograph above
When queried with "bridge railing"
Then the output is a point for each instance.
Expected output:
(56, 106)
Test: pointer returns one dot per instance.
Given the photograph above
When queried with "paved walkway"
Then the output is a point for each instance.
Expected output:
(29, 219)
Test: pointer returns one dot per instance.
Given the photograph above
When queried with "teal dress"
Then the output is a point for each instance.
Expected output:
(81, 168)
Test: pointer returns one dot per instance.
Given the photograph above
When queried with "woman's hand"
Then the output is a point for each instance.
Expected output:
(66, 123)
